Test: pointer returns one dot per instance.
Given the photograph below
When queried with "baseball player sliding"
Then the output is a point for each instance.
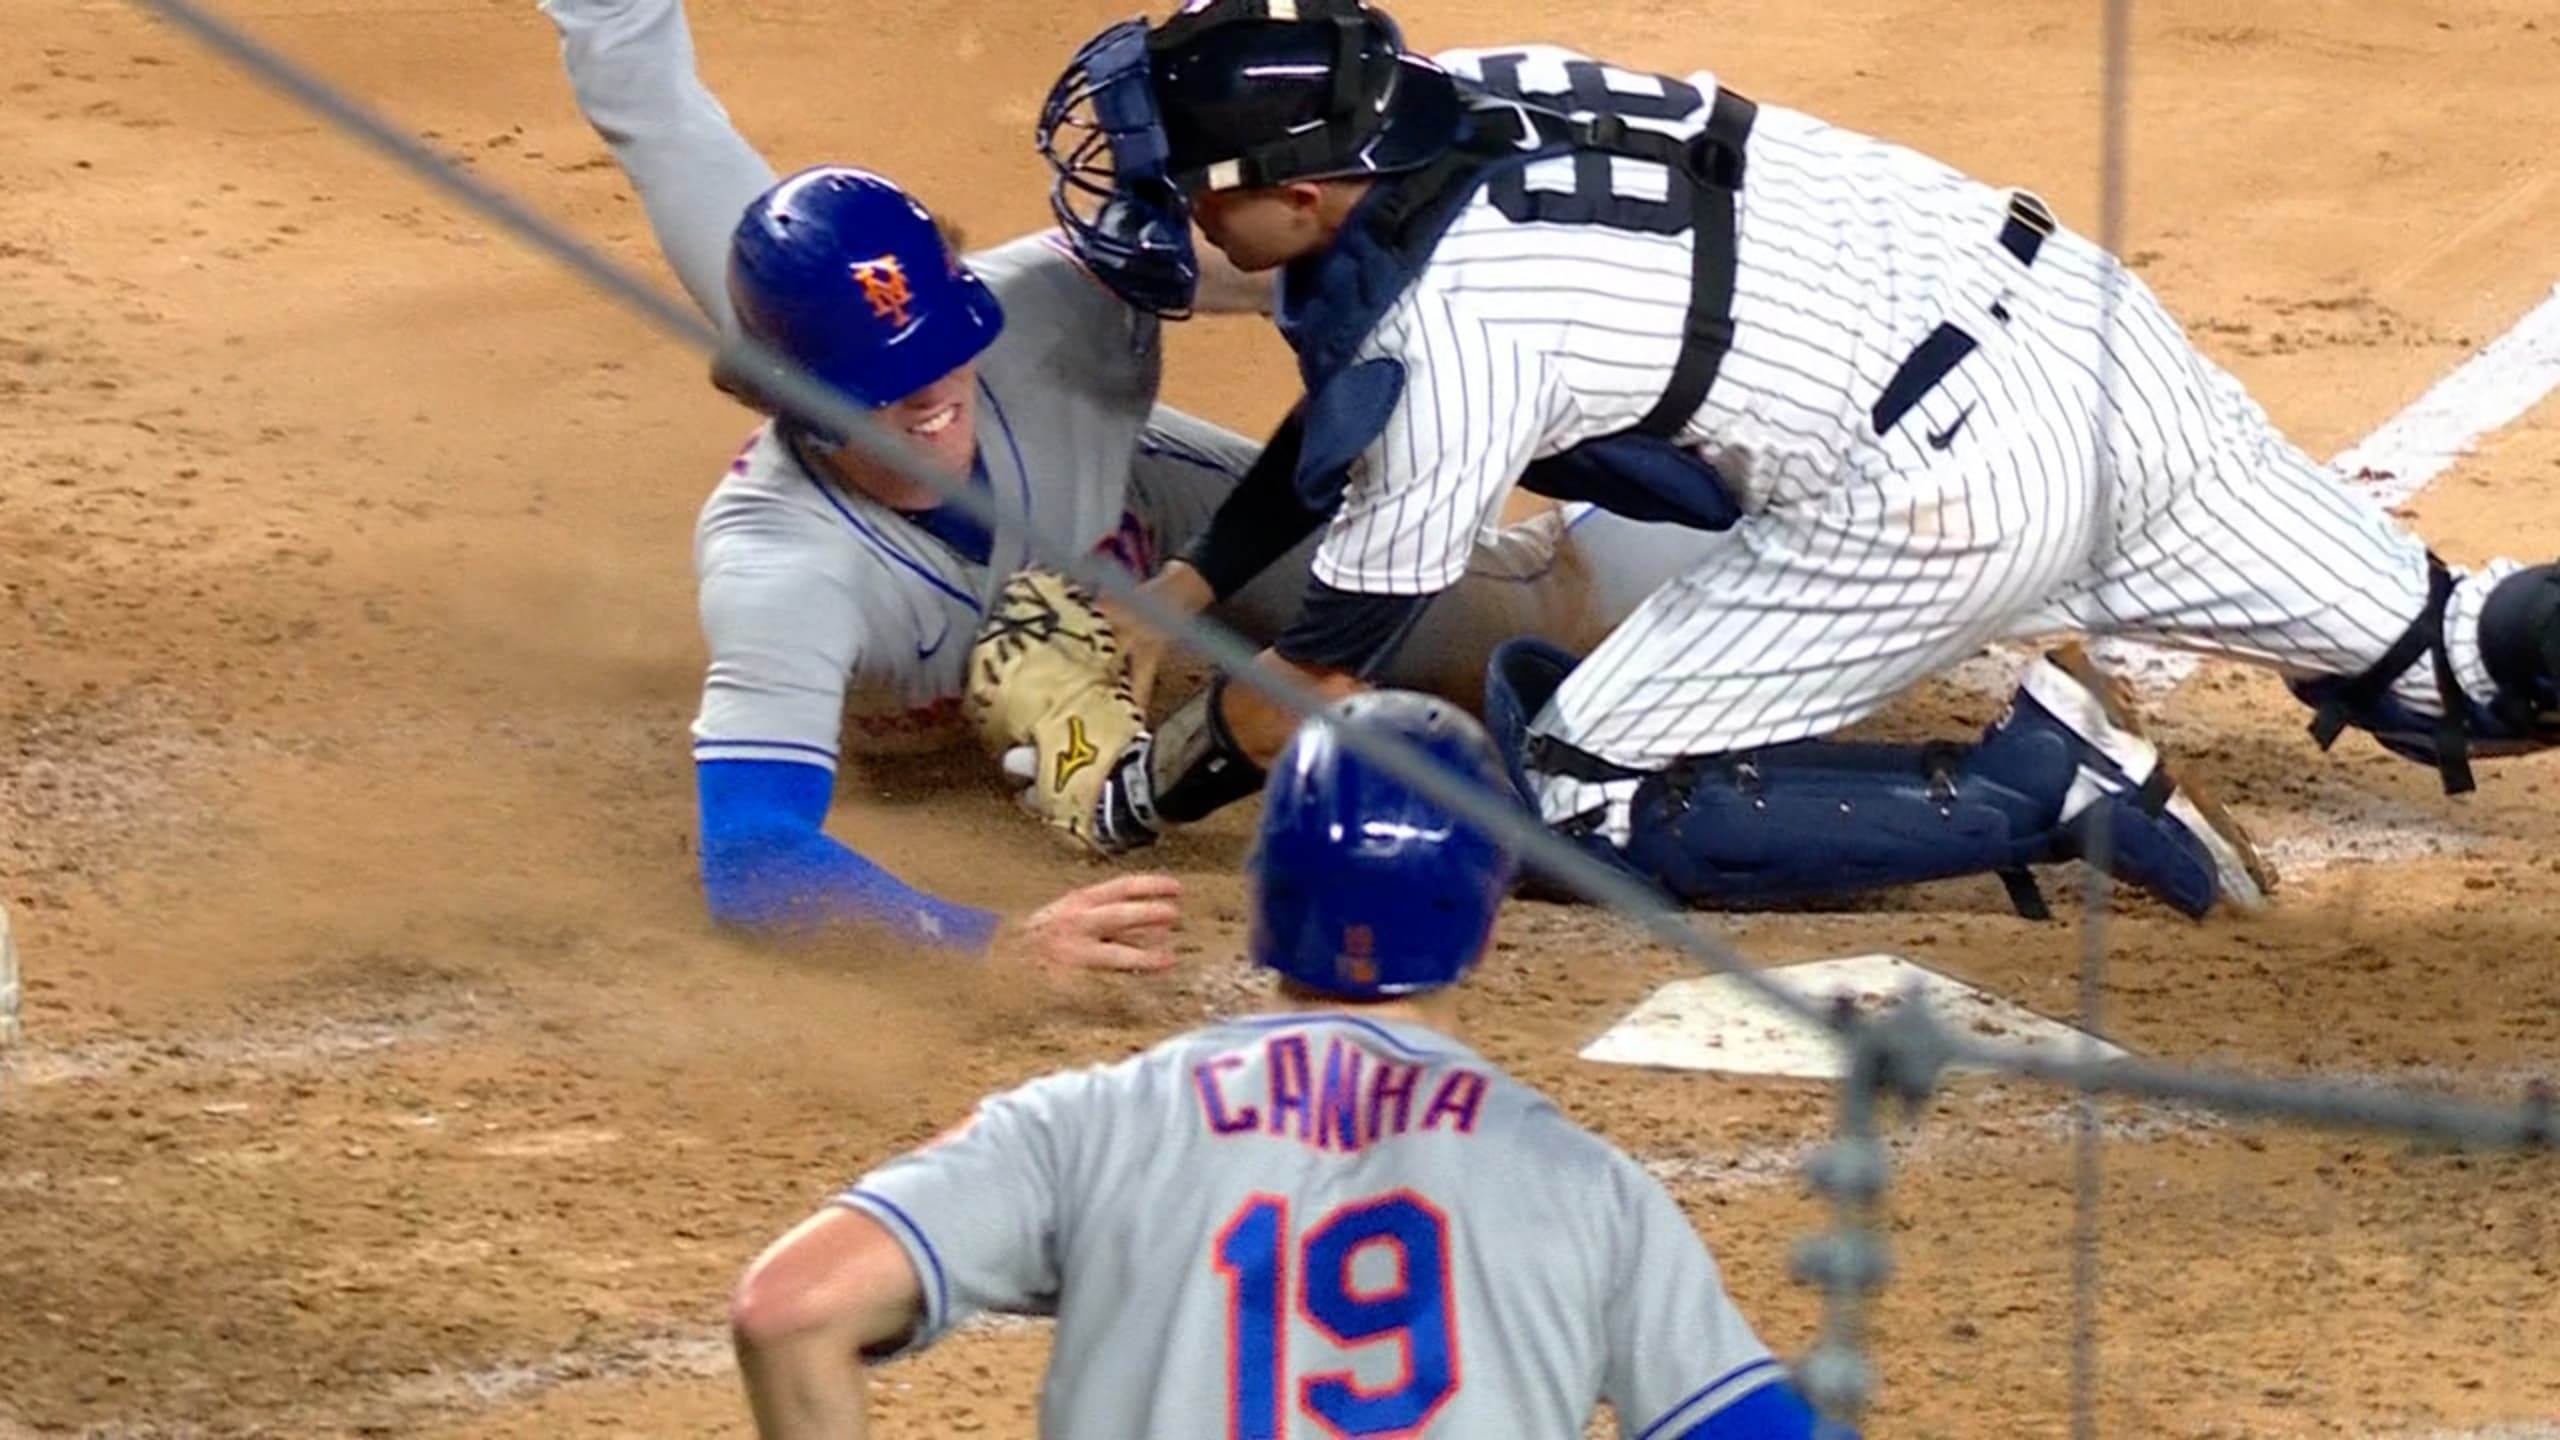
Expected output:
(1898, 390)
(839, 599)
(1335, 1219)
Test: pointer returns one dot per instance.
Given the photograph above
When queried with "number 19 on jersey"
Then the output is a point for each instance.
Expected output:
(1272, 1274)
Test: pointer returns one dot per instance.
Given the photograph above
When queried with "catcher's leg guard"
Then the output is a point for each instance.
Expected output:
(1520, 677)
(1823, 818)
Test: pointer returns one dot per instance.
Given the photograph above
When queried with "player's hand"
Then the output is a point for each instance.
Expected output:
(1177, 586)
(1124, 923)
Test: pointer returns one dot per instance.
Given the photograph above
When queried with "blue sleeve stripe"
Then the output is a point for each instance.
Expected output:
(939, 1293)
(1774, 1411)
(1721, 1391)
(793, 745)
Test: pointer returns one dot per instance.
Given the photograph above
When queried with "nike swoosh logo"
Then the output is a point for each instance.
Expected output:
(1941, 439)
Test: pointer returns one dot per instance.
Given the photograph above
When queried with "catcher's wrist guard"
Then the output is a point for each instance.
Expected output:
(1195, 768)
(1124, 818)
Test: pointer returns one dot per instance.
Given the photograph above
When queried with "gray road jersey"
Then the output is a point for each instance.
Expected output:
(820, 605)
(1319, 1225)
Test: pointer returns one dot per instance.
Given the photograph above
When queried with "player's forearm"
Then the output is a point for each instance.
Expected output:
(1262, 726)
(804, 1314)
(769, 869)
(1262, 518)
(783, 882)
(805, 1386)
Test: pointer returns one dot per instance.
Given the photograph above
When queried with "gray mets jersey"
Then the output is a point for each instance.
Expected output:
(1319, 1225)
(820, 604)
(1948, 421)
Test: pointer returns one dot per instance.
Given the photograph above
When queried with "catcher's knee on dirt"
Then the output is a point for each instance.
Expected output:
(1823, 818)
(2519, 638)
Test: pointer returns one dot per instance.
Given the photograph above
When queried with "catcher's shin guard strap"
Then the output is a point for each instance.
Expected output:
(1194, 767)
(2352, 700)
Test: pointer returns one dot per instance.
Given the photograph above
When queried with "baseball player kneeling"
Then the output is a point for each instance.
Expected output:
(1927, 416)
(1335, 1219)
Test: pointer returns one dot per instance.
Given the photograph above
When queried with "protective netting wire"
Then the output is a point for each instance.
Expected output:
(1903, 1055)
(2088, 1142)
(2088, 1146)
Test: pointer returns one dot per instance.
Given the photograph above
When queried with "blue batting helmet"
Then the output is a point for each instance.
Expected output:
(1362, 886)
(843, 273)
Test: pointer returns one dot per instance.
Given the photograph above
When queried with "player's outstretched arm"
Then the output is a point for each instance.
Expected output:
(768, 868)
(631, 66)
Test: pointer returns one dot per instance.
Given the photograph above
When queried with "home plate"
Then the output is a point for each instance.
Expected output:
(1717, 1023)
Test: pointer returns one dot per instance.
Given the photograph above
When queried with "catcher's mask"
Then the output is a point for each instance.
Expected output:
(1227, 94)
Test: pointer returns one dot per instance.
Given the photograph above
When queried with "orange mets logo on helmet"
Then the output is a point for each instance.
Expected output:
(884, 284)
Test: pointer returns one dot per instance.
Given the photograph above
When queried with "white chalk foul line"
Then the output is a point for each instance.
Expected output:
(2485, 394)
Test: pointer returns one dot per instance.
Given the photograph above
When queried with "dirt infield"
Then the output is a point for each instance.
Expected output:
(384, 1078)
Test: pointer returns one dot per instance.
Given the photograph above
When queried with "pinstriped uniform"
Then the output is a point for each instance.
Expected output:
(1907, 501)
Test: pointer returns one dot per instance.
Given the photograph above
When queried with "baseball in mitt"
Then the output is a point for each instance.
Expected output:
(1046, 674)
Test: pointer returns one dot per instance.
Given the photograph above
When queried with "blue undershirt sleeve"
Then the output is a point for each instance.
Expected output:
(767, 865)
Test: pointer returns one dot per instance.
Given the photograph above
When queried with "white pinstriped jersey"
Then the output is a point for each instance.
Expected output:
(1521, 339)
(1291, 1226)
(1942, 434)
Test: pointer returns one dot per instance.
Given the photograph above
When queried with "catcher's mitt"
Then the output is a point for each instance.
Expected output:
(1046, 672)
